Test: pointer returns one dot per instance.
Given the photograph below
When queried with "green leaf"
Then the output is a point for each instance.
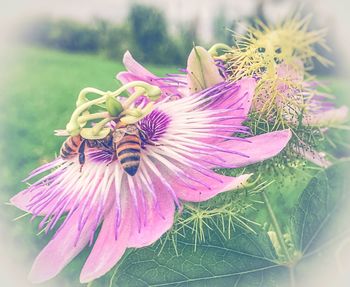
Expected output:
(317, 207)
(247, 259)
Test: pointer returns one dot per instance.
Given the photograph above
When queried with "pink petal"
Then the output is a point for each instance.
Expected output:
(135, 71)
(62, 248)
(258, 148)
(327, 118)
(23, 199)
(134, 67)
(239, 104)
(159, 218)
(202, 71)
(228, 183)
(245, 92)
(205, 186)
(127, 77)
(108, 249)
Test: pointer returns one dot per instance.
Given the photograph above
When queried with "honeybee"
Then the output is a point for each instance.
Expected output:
(70, 147)
(127, 142)
(124, 142)
(74, 145)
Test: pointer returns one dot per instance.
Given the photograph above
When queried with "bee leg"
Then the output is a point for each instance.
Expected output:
(114, 157)
(81, 152)
(154, 144)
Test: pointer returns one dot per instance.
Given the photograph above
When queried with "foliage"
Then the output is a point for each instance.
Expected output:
(248, 258)
(65, 35)
(150, 36)
(145, 33)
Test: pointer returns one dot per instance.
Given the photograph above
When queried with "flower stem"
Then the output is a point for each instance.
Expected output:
(276, 225)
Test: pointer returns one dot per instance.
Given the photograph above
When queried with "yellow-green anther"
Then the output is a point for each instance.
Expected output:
(82, 99)
(139, 91)
(129, 120)
(99, 126)
(81, 115)
(89, 133)
(213, 51)
(154, 93)
(134, 115)
(85, 118)
(147, 109)
(114, 107)
(136, 112)
(83, 122)
(73, 127)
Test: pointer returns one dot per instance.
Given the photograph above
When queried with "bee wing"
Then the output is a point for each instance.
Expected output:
(132, 130)
(118, 135)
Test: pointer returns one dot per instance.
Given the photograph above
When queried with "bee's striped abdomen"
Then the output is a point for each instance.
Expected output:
(70, 147)
(128, 152)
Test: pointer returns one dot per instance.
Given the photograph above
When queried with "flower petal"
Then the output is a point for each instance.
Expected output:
(245, 93)
(170, 86)
(135, 71)
(108, 249)
(127, 77)
(239, 105)
(327, 118)
(134, 67)
(257, 149)
(198, 185)
(62, 248)
(202, 71)
(160, 218)
(226, 183)
(23, 199)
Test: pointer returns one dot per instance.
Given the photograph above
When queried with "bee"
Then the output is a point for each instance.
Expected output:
(127, 142)
(124, 142)
(70, 147)
(74, 145)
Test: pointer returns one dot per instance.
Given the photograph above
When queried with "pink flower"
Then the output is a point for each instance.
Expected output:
(187, 137)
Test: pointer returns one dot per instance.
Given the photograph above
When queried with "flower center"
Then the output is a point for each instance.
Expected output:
(154, 125)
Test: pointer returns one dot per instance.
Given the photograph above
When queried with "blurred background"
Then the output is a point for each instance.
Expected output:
(50, 50)
(158, 32)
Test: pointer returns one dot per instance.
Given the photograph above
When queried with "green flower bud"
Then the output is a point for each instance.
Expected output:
(114, 107)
